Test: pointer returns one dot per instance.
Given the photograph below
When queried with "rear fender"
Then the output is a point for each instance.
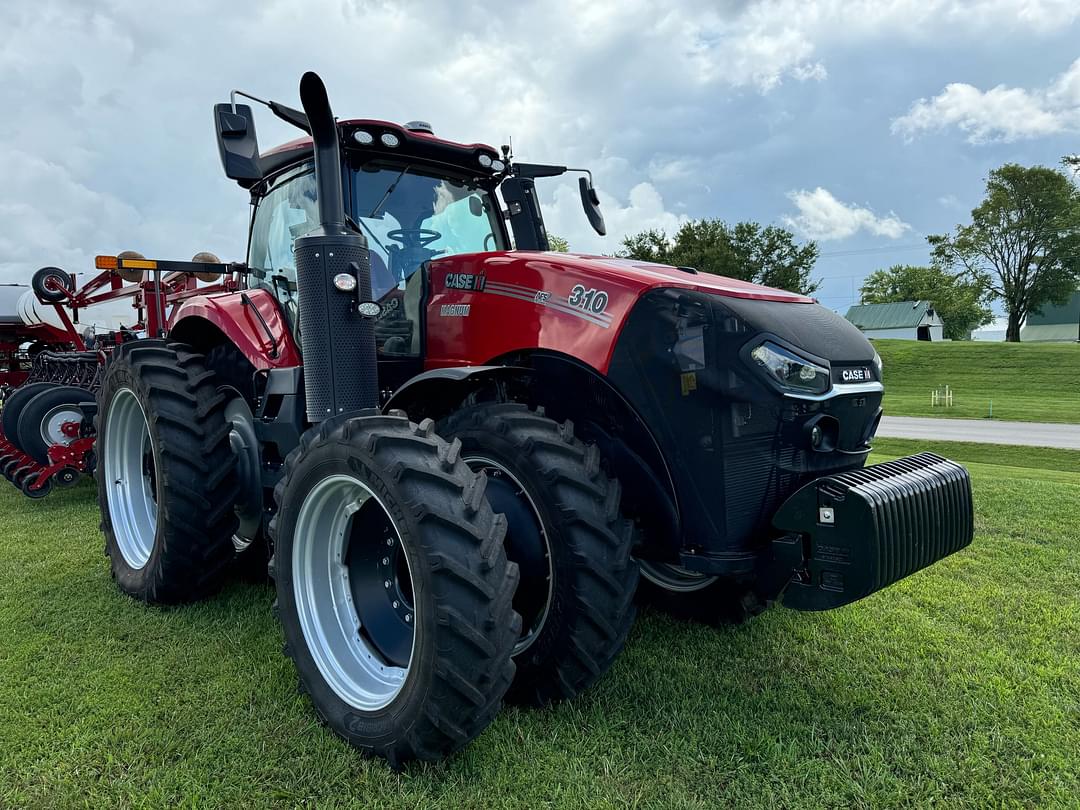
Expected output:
(251, 320)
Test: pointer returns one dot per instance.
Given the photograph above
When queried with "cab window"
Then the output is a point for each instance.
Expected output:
(287, 211)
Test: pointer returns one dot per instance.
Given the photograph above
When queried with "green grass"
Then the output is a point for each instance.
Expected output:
(958, 686)
(1027, 382)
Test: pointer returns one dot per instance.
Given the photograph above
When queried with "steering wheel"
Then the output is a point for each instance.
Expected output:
(423, 236)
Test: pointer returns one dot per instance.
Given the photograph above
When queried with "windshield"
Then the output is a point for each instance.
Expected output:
(410, 216)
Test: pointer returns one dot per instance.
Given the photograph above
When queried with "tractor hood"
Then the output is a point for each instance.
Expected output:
(578, 305)
(651, 275)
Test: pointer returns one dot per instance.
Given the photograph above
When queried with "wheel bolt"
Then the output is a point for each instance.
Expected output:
(385, 560)
(408, 617)
(386, 584)
(389, 541)
(397, 603)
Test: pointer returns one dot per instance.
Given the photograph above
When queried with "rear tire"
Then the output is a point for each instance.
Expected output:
(166, 475)
(234, 371)
(40, 419)
(394, 592)
(561, 490)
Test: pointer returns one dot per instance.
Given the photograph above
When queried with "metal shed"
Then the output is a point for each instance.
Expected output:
(904, 320)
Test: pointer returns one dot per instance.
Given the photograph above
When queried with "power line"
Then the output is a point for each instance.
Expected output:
(868, 251)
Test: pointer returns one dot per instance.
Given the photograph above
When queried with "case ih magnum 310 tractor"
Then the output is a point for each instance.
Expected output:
(460, 457)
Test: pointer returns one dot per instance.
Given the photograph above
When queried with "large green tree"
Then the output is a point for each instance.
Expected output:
(961, 302)
(747, 250)
(1023, 243)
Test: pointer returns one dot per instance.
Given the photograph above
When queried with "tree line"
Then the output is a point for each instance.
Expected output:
(1021, 250)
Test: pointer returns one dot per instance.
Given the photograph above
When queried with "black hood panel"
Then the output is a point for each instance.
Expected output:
(811, 327)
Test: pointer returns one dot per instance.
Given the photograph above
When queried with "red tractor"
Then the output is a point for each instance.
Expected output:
(458, 455)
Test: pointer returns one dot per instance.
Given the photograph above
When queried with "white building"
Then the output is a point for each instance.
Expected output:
(905, 320)
(1055, 323)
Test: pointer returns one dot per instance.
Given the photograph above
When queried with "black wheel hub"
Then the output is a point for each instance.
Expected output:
(380, 584)
(526, 545)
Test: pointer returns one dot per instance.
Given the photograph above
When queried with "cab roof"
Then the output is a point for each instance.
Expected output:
(412, 143)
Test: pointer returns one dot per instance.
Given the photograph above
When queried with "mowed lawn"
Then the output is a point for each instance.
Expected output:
(959, 686)
(1027, 381)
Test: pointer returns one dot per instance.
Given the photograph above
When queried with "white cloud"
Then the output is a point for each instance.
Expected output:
(51, 218)
(643, 210)
(111, 103)
(823, 217)
(1000, 113)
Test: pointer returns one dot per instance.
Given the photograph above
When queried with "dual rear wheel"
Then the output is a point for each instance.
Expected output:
(396, 553)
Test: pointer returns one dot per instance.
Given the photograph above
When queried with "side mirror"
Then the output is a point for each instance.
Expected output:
(476, 207)
(591, 203)
(237, 144)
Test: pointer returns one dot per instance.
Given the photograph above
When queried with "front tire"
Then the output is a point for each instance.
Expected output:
(691, 596)
(394, 592)
(568, 537)
(166, 474)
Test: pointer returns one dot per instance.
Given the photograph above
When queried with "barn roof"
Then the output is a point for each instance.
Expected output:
(1052, 314)
(900, 315)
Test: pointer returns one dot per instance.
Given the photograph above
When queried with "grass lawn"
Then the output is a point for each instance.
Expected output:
(960, 686)
(1027, 381)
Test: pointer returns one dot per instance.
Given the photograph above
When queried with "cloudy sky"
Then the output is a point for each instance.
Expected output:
(863, 125)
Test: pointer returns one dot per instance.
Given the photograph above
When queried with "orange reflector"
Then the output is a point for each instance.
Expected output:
(138, 264)
(105, 262)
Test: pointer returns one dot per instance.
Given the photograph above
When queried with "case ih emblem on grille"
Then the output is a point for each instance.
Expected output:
(855, 375)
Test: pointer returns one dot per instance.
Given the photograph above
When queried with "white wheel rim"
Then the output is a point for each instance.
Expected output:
(129, 487)
(52, 425)
(350, 664)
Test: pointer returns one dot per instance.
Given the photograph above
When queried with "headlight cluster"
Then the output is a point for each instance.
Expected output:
(491, 163)
(879, 366)
(790, 371)
(387, 139)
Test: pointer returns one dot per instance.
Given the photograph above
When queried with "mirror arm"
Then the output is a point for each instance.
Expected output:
(232, 99)
(583, 171)
(287, 114)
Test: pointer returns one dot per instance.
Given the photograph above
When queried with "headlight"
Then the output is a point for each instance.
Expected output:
(790, 371)
(879, 365)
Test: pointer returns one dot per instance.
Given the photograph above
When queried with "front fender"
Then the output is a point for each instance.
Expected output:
(436, 392)
(266, 343)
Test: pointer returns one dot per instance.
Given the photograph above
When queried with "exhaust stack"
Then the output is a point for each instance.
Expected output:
(338, 344)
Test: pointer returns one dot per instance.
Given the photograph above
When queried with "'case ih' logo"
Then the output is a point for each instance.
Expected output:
(465, 281)
(856, 375)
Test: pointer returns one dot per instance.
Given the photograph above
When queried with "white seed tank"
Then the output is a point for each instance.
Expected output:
(19, 305)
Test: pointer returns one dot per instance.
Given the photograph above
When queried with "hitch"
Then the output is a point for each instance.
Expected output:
(849, 535)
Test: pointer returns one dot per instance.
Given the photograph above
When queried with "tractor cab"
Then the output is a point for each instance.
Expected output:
(414, 196)
(409, 211)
